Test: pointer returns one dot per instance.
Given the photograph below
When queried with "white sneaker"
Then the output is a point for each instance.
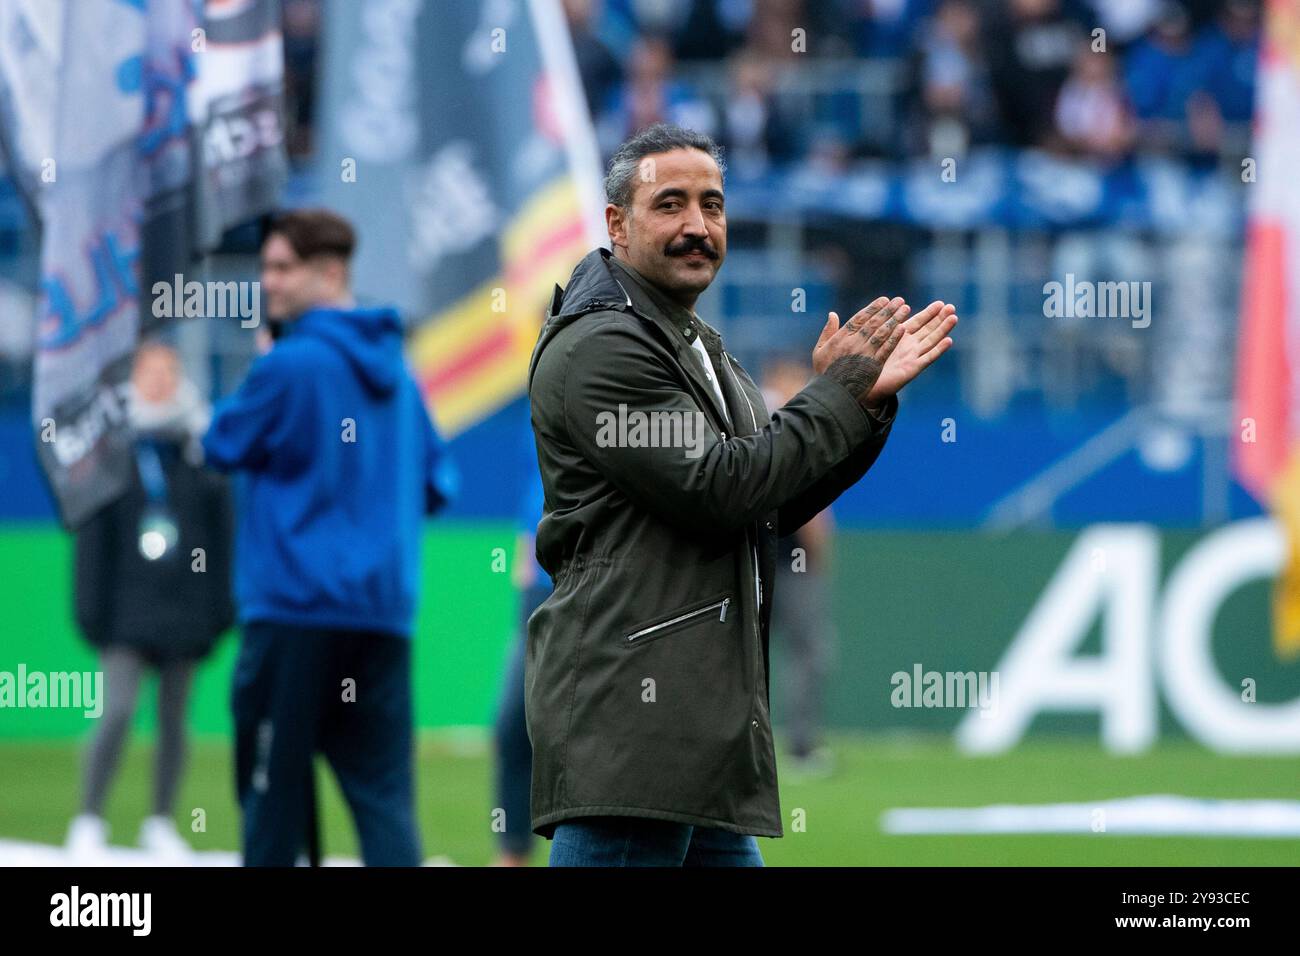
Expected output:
(87, 840)
(159, 837)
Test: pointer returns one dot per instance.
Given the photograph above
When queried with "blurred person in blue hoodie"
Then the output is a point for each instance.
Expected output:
(340, 463)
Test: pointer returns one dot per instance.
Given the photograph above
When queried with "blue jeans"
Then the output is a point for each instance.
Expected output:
(289, 704)
(637, 841)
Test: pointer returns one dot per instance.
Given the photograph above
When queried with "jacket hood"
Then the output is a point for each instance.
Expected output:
(370, 339)
(603, 283)
(593, 287)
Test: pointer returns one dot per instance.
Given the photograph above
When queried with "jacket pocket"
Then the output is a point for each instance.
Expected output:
(715, 609)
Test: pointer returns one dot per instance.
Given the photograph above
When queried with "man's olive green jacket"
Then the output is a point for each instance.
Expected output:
(647, 677)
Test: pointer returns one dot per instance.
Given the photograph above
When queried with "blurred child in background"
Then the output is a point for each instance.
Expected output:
(153, 593)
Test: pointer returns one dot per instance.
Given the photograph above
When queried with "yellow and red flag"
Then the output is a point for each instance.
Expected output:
(1267, 457)
(468, 160)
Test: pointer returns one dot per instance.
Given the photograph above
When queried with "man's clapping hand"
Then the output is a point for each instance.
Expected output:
(881, 348)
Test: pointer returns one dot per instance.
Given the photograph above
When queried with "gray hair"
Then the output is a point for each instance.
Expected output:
(620, 181)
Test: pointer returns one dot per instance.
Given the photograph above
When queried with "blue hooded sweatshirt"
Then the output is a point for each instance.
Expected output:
(341, 464)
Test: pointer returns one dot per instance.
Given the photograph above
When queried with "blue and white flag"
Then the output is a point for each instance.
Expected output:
(166, 130)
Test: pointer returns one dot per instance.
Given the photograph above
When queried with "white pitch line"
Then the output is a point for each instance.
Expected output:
(1155, 815)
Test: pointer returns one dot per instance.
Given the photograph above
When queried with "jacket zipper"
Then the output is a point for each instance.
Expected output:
(753, 549)
(723, 604)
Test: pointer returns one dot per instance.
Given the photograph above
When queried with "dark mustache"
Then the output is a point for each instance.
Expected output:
(686, 247)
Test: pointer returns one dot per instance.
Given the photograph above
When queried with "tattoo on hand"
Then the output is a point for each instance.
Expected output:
(857, 373)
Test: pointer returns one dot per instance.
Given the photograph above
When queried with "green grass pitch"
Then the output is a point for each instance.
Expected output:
(842, 812)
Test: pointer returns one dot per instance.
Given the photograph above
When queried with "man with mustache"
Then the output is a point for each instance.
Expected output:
(647, 667)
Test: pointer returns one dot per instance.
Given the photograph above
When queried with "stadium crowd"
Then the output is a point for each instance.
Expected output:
(962, 73)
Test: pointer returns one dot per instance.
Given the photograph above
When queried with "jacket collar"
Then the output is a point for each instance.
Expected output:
(681, 325)
(602, 282)
(687, 323)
